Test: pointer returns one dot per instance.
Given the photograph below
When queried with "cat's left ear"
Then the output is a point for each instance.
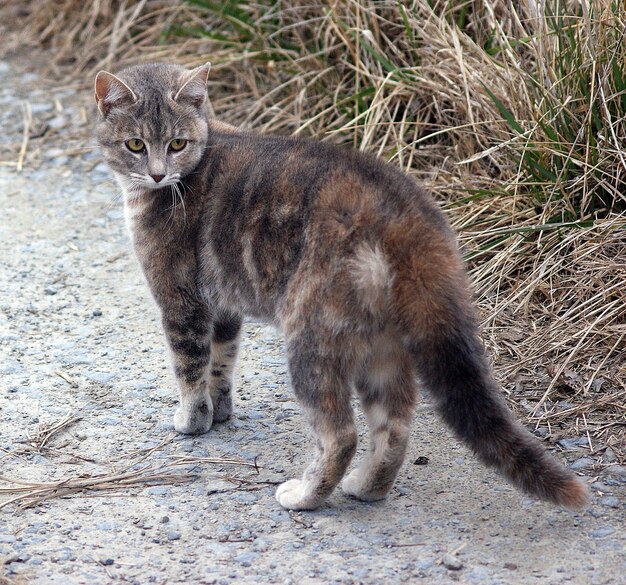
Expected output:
(193, 89)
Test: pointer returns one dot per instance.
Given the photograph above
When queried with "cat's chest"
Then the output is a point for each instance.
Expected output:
(133, 204)
(130, 215)
(152, 216)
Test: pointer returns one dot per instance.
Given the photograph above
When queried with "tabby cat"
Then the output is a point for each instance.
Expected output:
(346, 255)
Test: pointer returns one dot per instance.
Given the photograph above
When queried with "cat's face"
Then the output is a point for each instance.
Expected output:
(153, 124)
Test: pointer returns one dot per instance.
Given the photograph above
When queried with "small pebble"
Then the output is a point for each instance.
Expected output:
(425, 564)
(609, 502)
(173, 535)
(602, 531)
(40, 108)
(582, 463)
(7, 538)
(451, 562)
(618, 471)
(107, 562)
(164, 519)
(609, 455)
(569, 443)
(246, 559)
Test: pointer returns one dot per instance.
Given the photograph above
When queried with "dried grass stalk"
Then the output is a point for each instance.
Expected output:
(136, 473)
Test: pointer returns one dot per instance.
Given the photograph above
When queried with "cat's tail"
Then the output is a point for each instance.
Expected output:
(451, 363)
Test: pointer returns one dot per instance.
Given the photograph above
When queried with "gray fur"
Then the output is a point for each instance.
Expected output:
(346, 255)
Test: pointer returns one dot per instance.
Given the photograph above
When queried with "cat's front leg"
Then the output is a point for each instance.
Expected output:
(188, 330)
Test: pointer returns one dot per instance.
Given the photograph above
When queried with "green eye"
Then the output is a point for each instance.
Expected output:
(135, 145)
(178, 144)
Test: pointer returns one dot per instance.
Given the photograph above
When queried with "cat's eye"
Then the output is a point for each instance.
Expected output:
(178, 144)
(135, 145)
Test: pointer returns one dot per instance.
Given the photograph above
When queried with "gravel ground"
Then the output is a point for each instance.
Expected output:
(79, 335)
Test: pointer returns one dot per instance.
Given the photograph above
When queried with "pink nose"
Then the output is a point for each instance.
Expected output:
(157, 178)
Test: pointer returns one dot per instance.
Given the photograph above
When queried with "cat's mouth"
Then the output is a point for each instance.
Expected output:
(136, 185)
(153, 182)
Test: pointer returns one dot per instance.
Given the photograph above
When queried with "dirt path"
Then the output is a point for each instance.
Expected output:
(79, 336)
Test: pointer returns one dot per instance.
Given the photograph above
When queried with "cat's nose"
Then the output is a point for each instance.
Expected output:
(157, 178)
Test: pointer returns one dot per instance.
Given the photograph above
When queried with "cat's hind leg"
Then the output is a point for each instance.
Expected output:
(322, 385)
(388, 392)
(224, 349)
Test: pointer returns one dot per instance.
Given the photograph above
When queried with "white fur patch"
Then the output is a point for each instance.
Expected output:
(249, 265)
(372, 275)
(132, 202)
(194, 414)
(129, 212)
(376, 416)
(294, 495)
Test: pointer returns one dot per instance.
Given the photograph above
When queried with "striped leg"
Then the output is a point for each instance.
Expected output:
(188, 331)
(388, 393)
(224, 349)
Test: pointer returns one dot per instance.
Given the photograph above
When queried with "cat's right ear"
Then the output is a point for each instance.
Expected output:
(112, 92)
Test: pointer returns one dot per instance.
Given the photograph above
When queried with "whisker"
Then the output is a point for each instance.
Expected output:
(173, 207)
(182, 200)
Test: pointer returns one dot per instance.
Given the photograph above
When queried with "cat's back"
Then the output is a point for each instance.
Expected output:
(317, 175)
(282, 212)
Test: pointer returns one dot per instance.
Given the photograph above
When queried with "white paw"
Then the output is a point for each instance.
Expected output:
(355, 485)
(351, 484)
(292, 495)
(195, 420)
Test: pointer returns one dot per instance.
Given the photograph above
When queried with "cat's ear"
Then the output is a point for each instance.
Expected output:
(111, 91)
(193, 89)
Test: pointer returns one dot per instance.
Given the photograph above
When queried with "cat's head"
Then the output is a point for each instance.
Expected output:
(153, 123)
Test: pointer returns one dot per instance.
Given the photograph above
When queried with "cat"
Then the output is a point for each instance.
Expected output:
(346, 255)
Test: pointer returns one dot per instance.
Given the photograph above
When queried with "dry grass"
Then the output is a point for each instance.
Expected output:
(40, 442)
(139, 470)
(513, 117)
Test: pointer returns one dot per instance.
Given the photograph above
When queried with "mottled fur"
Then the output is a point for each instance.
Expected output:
(346, 255)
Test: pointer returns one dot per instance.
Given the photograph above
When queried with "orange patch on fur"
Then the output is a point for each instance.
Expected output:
(428, 273)
(345, 203)
(575, 495)
(223, 127)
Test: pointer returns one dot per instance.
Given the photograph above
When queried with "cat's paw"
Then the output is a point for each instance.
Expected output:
(293, 495)
(222, 407)
(193, 419)
(355, 484)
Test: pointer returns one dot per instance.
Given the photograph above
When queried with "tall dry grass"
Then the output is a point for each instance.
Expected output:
(512, 112)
